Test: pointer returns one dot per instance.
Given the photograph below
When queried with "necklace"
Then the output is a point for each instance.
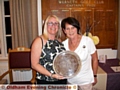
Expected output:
(74, 43)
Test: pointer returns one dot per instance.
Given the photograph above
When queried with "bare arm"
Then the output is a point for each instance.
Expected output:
(35, 55)
(36, 50)
(95, 65)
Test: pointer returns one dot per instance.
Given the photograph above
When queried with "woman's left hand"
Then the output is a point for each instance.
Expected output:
(95, 81)
(57, 76)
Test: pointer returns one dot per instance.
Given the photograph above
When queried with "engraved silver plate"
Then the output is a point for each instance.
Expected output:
(67, 64)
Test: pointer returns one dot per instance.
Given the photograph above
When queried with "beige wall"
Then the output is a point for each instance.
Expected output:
(118, 54)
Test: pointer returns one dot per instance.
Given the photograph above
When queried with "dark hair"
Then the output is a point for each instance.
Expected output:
(72, 21)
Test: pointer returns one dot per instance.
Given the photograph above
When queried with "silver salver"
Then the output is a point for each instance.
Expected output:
(67, 64)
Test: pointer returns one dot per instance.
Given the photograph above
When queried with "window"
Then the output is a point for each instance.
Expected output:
(5, 26)
(5, 30)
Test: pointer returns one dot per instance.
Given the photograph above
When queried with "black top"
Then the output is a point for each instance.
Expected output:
(49, 51)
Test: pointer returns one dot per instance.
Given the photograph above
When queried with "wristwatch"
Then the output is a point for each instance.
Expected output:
(95, 75)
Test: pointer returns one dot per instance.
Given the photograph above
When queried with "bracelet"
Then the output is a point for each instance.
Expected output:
(51, 75)
(95, 75)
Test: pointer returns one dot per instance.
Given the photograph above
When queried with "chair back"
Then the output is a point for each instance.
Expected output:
(20, 59)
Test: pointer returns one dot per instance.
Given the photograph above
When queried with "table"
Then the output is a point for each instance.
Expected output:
(113, 78)
(101, 79)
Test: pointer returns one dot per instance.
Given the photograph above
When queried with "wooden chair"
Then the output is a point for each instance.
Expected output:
(19, 59)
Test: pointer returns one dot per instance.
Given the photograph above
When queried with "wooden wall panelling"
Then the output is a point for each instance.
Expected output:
(112, 4)
(84, 16)
(105, 11)
(110, 28)
(99, 28)
(78, 14)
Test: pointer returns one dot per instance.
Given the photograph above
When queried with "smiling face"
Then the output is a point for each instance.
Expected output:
(52, 26)
(70, 31)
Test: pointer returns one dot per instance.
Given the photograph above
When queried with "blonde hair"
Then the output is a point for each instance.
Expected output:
(45, 34)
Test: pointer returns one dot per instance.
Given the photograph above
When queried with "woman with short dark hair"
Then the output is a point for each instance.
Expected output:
(85, 48)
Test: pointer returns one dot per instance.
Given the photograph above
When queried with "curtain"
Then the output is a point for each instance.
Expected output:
(24, 24)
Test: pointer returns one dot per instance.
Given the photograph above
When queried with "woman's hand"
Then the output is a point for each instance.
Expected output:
(57, 76)
(95, 81)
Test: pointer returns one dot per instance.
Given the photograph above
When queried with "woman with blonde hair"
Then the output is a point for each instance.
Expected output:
(44, 49)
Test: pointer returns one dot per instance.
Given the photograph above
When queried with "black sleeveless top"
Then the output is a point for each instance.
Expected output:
(49, 51)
